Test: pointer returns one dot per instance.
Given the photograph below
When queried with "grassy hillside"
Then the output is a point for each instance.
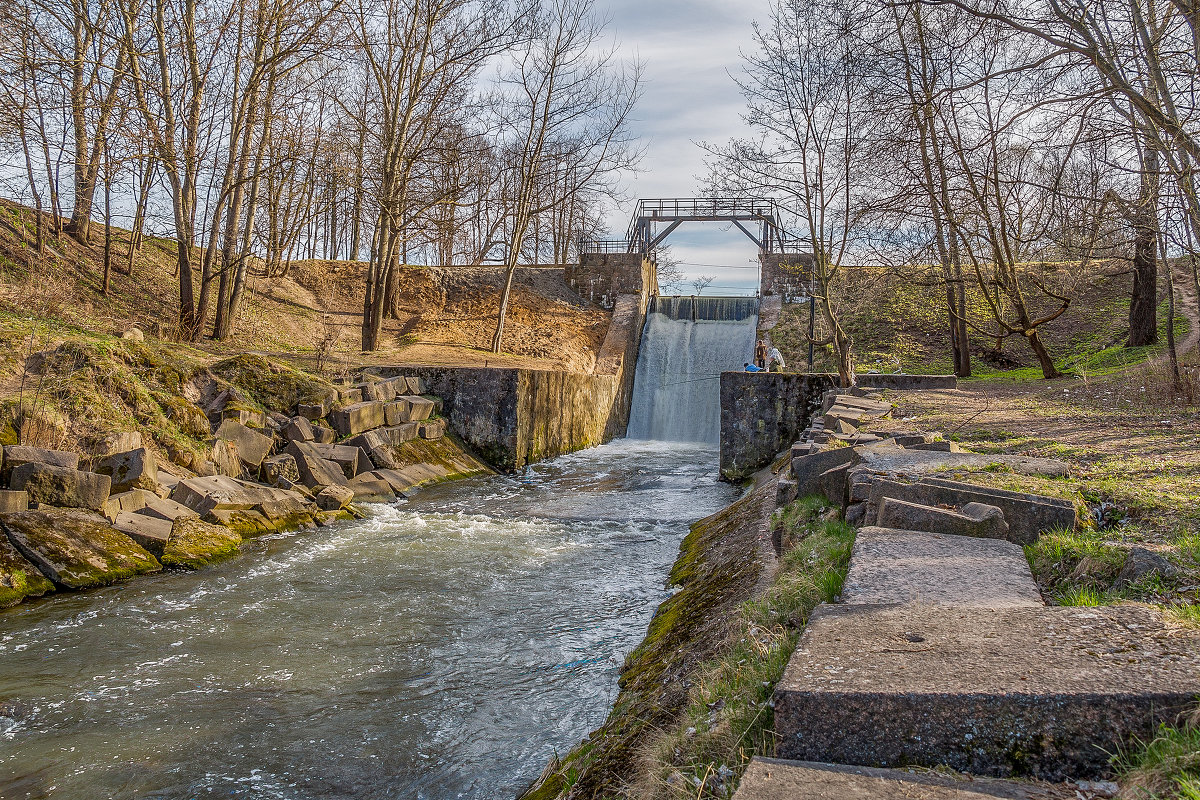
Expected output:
(899, 323)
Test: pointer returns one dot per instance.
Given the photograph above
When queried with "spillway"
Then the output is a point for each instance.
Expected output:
(686, 345)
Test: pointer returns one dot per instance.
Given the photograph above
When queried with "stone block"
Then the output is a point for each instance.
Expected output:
(420, 408)
(357, 418)
(417, 385)
(195, 544)
(323, 434)
(242, 416)
(164, 508)
(280, 467)
(807, 470)
(369, 489)
(13, 500)
(299, 430)
(776, 779)
(127, 502)
(225, 458)
(252, 446)
(831, 484)
(151, 533)
(15, 455)
(1027, 515)
(317, 409)
(432, 429)
(335, 498)
(19, 577)
(134, 469)
(899, 566)
(112, 443)
(166, 482)
(75, 549)
(350, 395)
(344, 455)
(399, 434)
(62, 486)
(399, 482)
(890, 459)
(1048, 692)
(313, 468)
(972, 519)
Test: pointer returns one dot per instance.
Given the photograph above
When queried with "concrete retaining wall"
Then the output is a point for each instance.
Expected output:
(513, 417)
(762, 413)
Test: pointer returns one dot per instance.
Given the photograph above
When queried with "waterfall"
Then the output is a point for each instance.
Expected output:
(686, 345)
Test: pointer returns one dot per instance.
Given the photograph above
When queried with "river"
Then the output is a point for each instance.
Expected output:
(445, 647)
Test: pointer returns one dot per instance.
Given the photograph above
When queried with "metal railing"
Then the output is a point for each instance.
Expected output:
(604, 246)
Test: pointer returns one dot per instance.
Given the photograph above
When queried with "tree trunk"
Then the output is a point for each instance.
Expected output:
(1143, 303)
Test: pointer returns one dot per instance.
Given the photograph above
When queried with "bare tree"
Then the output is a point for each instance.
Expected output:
(563, 113)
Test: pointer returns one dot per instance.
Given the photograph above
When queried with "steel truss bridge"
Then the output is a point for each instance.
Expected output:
(757, 218)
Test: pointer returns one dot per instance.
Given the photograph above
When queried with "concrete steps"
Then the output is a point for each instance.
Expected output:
(773, 779)
(898, 566)
(1047, 692)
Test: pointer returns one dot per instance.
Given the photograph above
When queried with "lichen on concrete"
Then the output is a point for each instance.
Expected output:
(195, 544)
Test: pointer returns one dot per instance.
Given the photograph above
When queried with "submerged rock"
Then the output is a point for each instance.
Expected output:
(75, 549)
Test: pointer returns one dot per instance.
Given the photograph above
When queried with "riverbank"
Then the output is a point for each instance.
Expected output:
(444, 646)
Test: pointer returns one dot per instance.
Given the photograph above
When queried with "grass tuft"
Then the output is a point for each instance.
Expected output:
(1166, 767)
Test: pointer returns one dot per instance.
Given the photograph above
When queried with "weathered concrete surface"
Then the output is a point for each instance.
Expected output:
(252, 446)
(13, 500)
(972, 519)
(898, 566)
(1044, 692)
(774, 779)
(1027, 515)
(359, 417)
(151, 533)
(762, 413)
(602, 278)
(19, 577)
(76, 549)
(892, 459)
(808, 469)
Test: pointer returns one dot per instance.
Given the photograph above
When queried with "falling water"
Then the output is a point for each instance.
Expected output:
(686, 345)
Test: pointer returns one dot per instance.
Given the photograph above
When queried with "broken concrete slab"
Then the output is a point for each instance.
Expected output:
(151, 533)
(359, 417)
(133, 469)
(904, 566)
(1027, 515)
(323, 434)
(243, 506)
(939, 447)
(280, 467)
(1044, 692)
(972, 519)
(61, 486)
(225, 458)
(76, 549)
(19, 577)
(398, 481)
(776, 779)
(252, 446)
(15, 455)
(113, 443)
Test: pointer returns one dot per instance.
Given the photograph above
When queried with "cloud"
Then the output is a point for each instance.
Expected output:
(688, 49)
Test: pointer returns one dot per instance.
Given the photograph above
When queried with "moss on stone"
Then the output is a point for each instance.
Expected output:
(76, 550)
(273, 386)
(195, 544)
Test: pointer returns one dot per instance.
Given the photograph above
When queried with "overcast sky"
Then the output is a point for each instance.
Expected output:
(688, 48)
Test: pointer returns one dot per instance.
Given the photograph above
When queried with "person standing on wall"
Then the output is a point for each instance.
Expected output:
(760, 355)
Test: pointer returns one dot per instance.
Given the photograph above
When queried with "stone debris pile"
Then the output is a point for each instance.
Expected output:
(72, 521)
(940, 650)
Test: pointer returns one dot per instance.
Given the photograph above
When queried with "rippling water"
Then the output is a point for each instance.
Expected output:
(444, 648)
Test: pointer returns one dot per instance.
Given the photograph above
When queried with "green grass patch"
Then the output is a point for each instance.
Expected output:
(1188, 615)
(1075, 567)
(729, 719)
(1168, 766)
